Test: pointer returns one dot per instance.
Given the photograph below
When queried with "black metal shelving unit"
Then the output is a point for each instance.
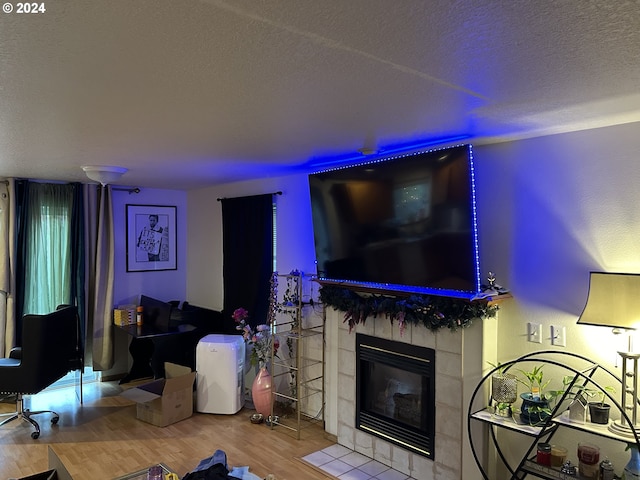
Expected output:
(583, 371)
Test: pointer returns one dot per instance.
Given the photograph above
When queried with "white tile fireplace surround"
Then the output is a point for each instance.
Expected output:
(460, 359)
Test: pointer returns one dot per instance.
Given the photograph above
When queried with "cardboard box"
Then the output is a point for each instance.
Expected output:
(167, 400)
(54, 462)
(48, 475)
(57, 470)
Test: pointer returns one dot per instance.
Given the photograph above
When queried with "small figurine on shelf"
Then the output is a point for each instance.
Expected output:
(490, 289)
(493, 286)
(491, 279)
(569, 469)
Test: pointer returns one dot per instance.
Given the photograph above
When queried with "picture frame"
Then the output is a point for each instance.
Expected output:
(151, 238)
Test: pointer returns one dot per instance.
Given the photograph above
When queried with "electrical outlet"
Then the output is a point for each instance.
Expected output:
(558, 336)
(534, 332)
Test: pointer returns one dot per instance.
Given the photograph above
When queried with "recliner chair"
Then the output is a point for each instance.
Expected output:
(47, 354)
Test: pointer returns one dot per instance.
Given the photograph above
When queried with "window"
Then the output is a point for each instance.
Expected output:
(48, 251)
(48, 248)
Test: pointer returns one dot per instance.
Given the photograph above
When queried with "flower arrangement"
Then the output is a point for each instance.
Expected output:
(260, 338)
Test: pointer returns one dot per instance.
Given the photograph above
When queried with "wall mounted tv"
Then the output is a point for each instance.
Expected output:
(405, 224)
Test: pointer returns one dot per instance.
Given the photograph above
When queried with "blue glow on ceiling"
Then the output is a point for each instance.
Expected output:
(382, 152)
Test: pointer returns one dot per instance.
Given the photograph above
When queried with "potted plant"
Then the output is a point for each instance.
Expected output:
(599, 411)
(504, 390)
(535, 407)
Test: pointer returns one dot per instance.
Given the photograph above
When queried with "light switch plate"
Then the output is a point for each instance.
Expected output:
(558, 336)
(534, 332)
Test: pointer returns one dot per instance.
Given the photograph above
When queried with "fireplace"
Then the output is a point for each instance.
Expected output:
(395, 392)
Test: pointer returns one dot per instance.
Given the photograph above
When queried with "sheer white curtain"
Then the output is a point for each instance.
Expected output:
(48, 251)
(7, 279)
(100, 266)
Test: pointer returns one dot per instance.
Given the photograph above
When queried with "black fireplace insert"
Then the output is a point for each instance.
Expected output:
(395, 392)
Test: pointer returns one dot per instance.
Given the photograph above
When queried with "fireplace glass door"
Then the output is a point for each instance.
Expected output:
(395, 392)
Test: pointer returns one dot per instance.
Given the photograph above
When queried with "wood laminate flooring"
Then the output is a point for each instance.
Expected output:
(102, 439)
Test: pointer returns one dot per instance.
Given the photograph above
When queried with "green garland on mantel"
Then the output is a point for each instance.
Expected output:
(432, 311)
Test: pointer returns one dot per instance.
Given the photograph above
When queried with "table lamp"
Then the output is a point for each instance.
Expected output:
(614, 301)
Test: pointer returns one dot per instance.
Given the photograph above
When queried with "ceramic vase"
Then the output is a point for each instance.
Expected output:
(533, 411)
(261, 392)
(632, 469)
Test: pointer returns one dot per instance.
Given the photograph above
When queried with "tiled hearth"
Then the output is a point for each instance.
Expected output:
(459, 360)
(345, 464)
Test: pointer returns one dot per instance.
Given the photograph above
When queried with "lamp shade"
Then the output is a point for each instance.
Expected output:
(104, 174)
(613, 301)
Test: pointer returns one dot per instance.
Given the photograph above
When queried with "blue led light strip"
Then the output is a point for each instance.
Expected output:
(475, 217)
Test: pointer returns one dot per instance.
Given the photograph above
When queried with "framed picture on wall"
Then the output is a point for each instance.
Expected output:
(151, 238)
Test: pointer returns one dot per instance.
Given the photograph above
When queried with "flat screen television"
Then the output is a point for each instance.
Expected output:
(406, 223)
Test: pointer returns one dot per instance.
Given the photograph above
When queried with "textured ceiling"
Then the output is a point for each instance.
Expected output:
(193, 93)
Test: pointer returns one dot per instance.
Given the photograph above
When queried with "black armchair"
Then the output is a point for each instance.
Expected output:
(48, 353)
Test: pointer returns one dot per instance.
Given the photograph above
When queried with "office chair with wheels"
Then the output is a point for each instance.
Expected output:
(47, 354)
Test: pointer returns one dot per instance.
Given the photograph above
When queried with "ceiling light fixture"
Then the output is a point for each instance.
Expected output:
(367, 151)
(104, 174)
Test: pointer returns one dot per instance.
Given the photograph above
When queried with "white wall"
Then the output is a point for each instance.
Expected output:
(551, 210)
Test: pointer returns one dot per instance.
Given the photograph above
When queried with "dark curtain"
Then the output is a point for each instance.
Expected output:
(247, 233)
(22, 194)
(78, 291)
